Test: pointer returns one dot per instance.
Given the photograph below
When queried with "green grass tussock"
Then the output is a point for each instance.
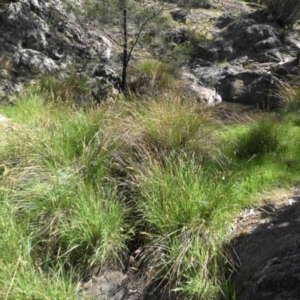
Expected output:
(178, 204)
(63, 89)
(20, 277)
(169, 125)
(153, 76)
(262, 137)
(176, 194)
(157, 179)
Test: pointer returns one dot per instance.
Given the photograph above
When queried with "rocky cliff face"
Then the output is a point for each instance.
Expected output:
(247, 59)
(243, 61)
(39, 37)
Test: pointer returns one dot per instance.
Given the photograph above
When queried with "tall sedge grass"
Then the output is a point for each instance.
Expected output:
(183, 204)
(20, 278)
(290, 94)
(69, 223)
(262, 137)
(70, 90)
(176, 194)
(154, 77)
(55, 176)
(157, 128)
(156, 179)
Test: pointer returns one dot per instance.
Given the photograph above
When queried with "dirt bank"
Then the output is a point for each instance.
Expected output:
(267, 250)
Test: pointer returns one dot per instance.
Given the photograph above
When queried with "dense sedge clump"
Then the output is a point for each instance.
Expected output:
(154, 178)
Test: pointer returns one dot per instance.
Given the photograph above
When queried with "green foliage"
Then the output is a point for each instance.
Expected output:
(154, 35)
(168, 126)
(290, 94)
(111, 12)
(71, 225)
(194, 36)
(284, 12)
(262, 137)
(53, 165)
(78, 188)
(199, 34)
(54, 136)
(20, 278)
(183, 53)
(105, 12)
(179, 193)
(153, 67)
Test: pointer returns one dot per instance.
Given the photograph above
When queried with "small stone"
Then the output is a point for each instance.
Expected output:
(291, 201)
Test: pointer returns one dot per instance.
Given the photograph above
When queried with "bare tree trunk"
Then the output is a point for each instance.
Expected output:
(125, 50)
(128, 52)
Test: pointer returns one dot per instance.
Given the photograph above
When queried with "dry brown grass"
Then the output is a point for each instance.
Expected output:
(6, 63)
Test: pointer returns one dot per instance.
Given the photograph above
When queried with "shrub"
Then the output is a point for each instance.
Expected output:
(285, 12)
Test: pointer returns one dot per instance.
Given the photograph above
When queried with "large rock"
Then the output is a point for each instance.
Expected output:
(248, 87)
(39, 37)
(251, 38)
(200, 92)
(257, 41)
(285, 70)
(35, 62)
(211, 75)
(236, 84)
(108, 74)
(225, 20)
(177, 35)
(104, 81)
(269, 56)
(21, 27)
(247, 61)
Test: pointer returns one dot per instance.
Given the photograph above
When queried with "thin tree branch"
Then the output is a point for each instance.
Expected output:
(141, 30)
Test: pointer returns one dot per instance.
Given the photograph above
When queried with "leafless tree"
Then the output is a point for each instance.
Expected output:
(124, 11)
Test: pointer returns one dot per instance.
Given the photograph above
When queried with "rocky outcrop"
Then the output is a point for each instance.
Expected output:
(248, 87)
(225, 20)
(242, 63)
(201, 92)
(265, 248)
(258, 41)
(177, 35)
(24, 34)
(40, 37)
(247, 60)
(104, 81)
(35, 62)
